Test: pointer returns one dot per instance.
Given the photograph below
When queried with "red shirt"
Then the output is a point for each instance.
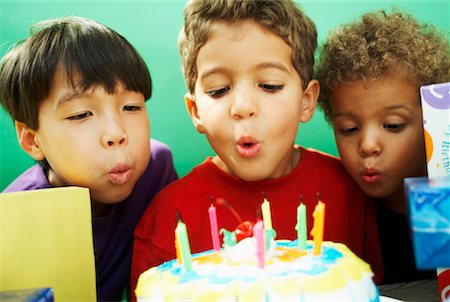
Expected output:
(349, 217)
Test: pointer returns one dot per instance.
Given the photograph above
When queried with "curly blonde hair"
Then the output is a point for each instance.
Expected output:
(378, 45)
(281, 17)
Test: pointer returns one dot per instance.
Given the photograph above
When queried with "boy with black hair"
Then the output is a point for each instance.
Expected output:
(76, 91)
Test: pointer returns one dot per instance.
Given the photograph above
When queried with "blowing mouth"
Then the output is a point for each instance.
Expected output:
(120, 174)
(248, 147)
(371, 176)
(370, 172)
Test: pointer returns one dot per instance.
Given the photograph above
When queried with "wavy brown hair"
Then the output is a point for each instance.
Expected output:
(380, 44)
(281, 17)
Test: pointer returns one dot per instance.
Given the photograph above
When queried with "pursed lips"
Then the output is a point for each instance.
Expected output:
(248, 147)
(120, 173)
(371, 175)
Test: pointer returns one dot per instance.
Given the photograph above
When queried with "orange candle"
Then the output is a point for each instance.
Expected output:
(317, 230)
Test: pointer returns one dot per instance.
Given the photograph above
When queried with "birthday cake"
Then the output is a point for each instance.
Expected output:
(253, 266)
(289, 273)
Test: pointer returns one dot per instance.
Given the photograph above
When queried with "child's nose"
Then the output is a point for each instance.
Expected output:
(243, 105)
(114, 135)
(370, 143)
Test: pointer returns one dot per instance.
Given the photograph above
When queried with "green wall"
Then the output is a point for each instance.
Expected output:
(152, 27)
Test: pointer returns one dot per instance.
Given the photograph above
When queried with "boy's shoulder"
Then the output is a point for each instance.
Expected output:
(161, 156)
(323, 164)
(180, 195)
(32, 179)
(194, 181)
(159, 148)
(321, 158)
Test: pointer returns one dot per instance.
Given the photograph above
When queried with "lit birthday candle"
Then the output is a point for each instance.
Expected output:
(317, 231)
(183, 244)
(301, 225)
(265, 209)
(269, 232)
(214, 228)
(178, 249)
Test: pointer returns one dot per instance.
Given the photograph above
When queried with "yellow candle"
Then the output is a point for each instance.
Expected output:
(178, 249)
(317, 230)
(265, 209)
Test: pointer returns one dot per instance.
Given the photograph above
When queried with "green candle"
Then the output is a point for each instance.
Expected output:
(301, 226)
(183, 241)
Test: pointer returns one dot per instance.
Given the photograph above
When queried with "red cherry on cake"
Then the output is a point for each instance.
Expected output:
(244, 230)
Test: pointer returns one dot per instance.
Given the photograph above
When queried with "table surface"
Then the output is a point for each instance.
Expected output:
(416, 291)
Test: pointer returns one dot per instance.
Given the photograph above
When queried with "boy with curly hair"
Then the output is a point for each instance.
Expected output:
(248, 68)
(370, 73)
(76, 91)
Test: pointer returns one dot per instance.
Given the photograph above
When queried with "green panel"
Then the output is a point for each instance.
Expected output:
(152, 27)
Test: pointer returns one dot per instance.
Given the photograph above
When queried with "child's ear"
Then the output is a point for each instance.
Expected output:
(29, 141)
(191, 107)
(310, 96)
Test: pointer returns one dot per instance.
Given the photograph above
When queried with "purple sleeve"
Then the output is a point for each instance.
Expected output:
(32, 179)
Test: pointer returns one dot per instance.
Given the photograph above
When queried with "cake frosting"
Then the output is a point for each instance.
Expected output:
(289, 273)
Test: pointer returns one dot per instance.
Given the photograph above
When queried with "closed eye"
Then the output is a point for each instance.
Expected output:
(132, 108)
(270, 88)
(394, 127)
(218, 92)
(80, 116)
(348, 131)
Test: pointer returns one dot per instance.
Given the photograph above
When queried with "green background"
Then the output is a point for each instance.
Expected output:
(152, 27)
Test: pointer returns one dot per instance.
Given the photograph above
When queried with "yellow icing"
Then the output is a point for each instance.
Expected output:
(217, 277)
(213, 258)
(289, 254)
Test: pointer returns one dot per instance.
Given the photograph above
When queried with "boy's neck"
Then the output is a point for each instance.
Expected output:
(100, 209)
(396, 202)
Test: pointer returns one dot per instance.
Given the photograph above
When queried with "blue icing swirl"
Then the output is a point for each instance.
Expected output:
(317, 265)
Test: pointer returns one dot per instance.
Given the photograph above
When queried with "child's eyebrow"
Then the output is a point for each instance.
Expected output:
(339, 114)
(211, 71)
(266, 65)
(399, 107)
(260, 66)
(70, 95)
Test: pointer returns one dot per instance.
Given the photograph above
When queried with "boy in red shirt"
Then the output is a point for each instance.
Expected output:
(248, 68)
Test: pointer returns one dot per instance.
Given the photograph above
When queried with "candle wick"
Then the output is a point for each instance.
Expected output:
(264, 195)
(178, 215)
(301, 199)
(211, 200)
(318, 196)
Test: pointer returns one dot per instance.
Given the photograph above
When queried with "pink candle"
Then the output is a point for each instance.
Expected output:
(214, 228)
(258, 232)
